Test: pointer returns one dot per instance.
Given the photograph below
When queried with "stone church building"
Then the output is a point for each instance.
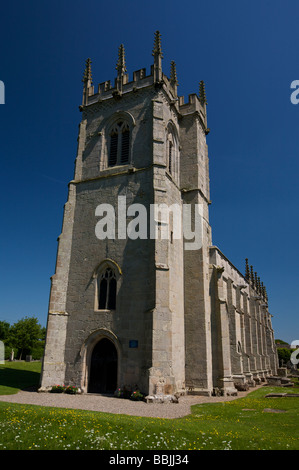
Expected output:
(130, 309)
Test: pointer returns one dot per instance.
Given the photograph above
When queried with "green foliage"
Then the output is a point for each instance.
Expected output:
(128, 393)
(280, 341)
(119, 393)
(136, 396)
(57, 389)
(26, 336)
(4, 330)
(284, 355)
(70, 389)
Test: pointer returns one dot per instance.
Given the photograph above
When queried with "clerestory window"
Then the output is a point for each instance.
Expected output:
(170, 146)
(107, 290)
(119, 149)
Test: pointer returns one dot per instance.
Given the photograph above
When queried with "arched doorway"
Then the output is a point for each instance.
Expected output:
(103, 368)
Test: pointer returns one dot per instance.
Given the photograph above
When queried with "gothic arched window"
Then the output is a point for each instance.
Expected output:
(170, 154)
(172, 151)
(119, 144)
(107, 289)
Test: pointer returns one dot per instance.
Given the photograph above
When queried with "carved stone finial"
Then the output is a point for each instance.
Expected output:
(173, 74)
(255, 281)
(87, 77)
(121, 63)
(259, 287)
(251, 276)
(157, 49)
(157, 53)
(202, 93)
(247, 270)
(87, 80)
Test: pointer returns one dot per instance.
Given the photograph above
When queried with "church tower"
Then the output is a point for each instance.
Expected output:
(125, 277)
(140, 297)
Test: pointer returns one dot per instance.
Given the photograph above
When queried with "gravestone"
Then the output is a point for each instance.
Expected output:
(1, 352)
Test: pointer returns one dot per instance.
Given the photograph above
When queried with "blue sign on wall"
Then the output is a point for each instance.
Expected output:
(133, 343)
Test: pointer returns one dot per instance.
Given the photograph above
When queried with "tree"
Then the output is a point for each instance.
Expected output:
(4, 330)
(25, 335)
(284, 355)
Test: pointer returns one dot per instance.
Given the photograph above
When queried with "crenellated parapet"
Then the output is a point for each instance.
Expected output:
(122, 85)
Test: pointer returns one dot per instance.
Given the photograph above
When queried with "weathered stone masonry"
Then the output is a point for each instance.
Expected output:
(147, 312)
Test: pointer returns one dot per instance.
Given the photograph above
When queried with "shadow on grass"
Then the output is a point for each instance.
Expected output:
(18, 379)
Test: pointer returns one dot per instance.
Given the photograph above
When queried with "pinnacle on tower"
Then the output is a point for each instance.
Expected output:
(87, 77)
(121, 63)
(202, 93)
(121, 70)
(157, 53)
(247, 270)
(157, 50)
(252, 276)
(87, 80)
(173, 74)
(259, 288)
(263, 290)
(173, 78)
(255, 281)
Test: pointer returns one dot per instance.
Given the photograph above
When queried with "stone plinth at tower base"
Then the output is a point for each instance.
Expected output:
(227, 387)
(199, 391)
(162, 398)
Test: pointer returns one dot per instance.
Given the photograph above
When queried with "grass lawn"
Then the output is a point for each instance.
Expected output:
(240, 424)
(18, 375)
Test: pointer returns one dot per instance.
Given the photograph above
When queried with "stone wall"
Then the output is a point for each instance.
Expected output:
(242, 328)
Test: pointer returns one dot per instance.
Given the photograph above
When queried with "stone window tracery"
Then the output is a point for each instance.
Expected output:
(172, 151)
(107, 289)
(119, 144)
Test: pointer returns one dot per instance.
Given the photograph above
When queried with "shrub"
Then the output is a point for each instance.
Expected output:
(57, 389)
(284, 355)
(119, 393)
(71, 390)
(136, 396)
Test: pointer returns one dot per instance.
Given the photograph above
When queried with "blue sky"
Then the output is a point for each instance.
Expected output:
(247, 54)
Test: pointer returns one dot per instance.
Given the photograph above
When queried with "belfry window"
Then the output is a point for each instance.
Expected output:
(119, 146)
(113, 148)
(107, 290)
(172, 152)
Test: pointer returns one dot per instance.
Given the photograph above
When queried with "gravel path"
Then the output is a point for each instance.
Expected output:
(114, 405)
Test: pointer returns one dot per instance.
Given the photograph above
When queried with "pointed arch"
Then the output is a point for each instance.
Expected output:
(106, 274)
(87, 349)
(172, 150)
(118, 132)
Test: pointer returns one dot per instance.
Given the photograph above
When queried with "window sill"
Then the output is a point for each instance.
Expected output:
(104, 310)
(116, 169)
